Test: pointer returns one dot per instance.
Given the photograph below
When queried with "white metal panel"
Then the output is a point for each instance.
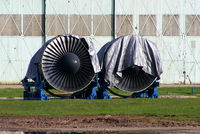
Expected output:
(171, 6)
(10, 6)
(84, 7)
(125, 7)
(191, 7)
(179, 54)
(157, 6)
(21, 7)
(99, 41)
(57, 6)
(32, 6)
(170, 73)
(172, 57)
(15, 54)
(192, 59)
(148, 7)
(103, 7)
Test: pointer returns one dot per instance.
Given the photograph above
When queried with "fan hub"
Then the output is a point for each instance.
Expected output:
(69, 63)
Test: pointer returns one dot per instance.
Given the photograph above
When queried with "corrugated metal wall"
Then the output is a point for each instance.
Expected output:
(173, 24)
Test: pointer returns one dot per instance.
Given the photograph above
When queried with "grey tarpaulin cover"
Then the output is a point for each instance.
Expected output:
(36, 59)
(129, 51)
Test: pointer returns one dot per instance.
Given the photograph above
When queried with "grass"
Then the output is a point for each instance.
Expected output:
(11, 92)
(187, 91)
(170, 109)
(163, 106)
(18, 92)
(178, 91)
(121, 92)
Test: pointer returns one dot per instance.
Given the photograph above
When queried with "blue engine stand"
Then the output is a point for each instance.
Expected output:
(93, 91)
(96, 91)
(34, 94)
(151, 92)
(34, 90)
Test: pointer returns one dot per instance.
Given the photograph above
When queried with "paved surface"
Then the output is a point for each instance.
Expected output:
(11, 86)
(179, 85)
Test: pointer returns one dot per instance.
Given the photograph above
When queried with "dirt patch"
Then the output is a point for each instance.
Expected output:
(102, 122)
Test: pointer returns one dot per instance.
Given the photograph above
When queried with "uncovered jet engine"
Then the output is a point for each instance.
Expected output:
(131, 63)
(67, 63)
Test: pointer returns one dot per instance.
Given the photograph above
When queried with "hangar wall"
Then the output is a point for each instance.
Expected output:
(173, 24)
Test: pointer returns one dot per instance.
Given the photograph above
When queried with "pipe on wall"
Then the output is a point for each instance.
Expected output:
(44, 20)
(113, 19)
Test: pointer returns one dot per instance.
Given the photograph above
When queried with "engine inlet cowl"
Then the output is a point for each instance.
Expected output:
(66, 63)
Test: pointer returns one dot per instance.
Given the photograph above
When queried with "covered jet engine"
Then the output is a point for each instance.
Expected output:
(67, 63)
(130, 63)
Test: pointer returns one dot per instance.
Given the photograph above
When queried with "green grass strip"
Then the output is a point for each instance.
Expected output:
(161, 106)
(179, 91)
(18, 92)
(11, 92)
